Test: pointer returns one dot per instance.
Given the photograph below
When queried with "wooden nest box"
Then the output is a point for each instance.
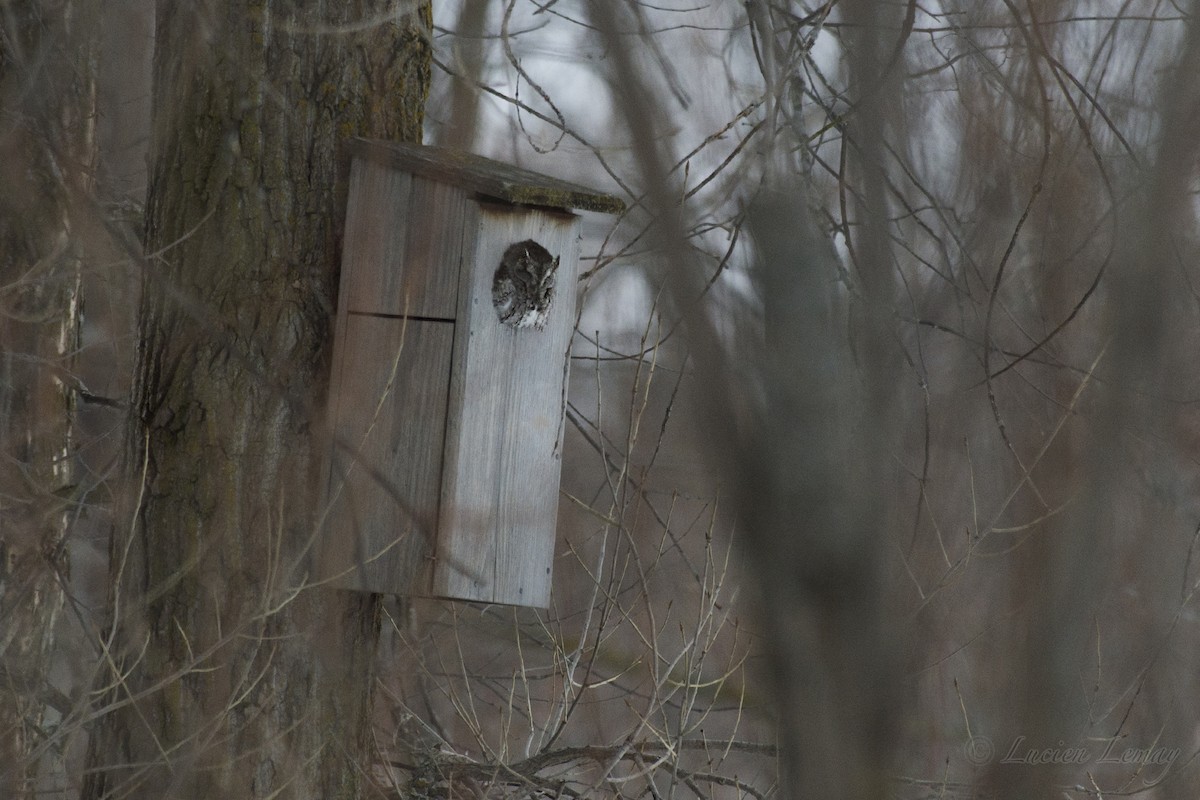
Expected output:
(455, 313)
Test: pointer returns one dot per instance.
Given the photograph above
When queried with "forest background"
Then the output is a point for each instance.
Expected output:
(880, 472)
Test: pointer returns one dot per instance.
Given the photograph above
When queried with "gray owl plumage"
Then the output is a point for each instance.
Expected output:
(524, 285)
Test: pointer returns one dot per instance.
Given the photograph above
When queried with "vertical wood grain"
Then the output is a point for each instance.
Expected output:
(387, 460)
(500, 489)
(437, 217)
(404, 242)
(329, 554)
(376, 237)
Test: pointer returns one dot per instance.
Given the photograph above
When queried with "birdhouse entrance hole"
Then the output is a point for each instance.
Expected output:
(524, 285)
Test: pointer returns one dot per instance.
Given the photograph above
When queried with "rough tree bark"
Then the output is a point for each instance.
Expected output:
(47, 95)
(240, 679)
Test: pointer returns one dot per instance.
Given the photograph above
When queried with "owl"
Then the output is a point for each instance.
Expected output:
(524, 285)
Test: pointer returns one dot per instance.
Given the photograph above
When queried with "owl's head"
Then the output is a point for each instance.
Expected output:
(523, 285)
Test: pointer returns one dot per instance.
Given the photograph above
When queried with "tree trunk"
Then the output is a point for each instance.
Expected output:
(240, 678)
(47, 93)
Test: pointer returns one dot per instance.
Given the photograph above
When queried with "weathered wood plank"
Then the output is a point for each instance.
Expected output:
(374, 246)
(357, 202)
(485, 176)
(387, 459)
(403, 246)
(437, 216)
(500, 485)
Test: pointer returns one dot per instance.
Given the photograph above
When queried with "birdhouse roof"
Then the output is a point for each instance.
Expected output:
(485, 176)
